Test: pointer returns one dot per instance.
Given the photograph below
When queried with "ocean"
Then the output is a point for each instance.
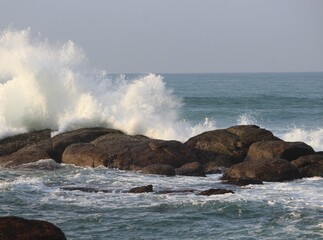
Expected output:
(47, 86)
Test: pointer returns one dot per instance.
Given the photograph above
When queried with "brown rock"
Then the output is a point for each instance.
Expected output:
(218, 165)
(212, 191)
(278, 149)
(209, 145)
(85, 155)
(242, 182)
(191, 169)
(143, 189)
(14, 143)
(161, 169)
(85, 135)
(32, 153)
(273, 170)
(250, 134)
(310, 165)
(12, 228)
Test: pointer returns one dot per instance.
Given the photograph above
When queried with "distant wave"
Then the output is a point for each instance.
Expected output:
(43, 85)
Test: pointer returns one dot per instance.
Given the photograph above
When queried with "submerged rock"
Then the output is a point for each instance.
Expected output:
(217, 191)
(12, 228)
(143, 189)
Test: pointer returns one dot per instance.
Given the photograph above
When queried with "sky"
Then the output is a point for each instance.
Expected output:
(180, 36)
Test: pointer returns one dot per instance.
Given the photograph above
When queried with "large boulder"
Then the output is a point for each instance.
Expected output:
(116, 150)
(310, 165)
(229, 144)
(191, 169)
(271, 170)
(15, 228)
(278, 149)
(209, 146)
(14, 143)
(85, 135)
(250, 134)
(28, 154)
(160, 169)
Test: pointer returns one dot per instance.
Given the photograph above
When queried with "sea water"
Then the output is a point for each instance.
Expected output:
(45, 85)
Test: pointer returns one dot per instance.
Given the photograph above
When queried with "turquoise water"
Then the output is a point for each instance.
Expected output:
(289, 104)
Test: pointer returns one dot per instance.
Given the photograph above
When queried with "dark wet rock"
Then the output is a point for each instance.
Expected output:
(310, 165)
(227, 146)
(161, 169)
(85, 189)
(14, 143)
(191, 169)
(272, 170)
(212, 191)
(84, 135)
(128, 152)
(217, 166)
(278, 149)
(85, 154)
(242, 182)
(208, 146)
(178, 191)
(28, 154)
(12, 228)
(143, 189)
(250, 134)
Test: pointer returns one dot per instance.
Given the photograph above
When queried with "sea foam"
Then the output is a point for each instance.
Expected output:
(45, 85)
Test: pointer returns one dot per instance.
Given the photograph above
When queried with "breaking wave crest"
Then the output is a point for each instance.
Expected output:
(44, 85)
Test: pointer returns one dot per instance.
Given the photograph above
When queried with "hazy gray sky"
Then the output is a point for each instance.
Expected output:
(123, 36)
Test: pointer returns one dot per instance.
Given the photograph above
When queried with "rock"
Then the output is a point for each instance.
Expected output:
(271, 170)
(218, 165)
(12, 228)
(249, 134)
(161, 169)
(310, 165)
(85, 155)
(229, 144)
(191, 169)
(29, 154)
(278, 149)
(242, 182)
(212, 191)
(14, 143)
(208, 146)
(86, 189)
(128, 152)
(143, 189)
(84, 135)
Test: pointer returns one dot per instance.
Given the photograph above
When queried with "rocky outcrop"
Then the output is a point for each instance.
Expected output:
(28, 154)
(227, 146)
(160, 169)
(128, 152)
(191, 169)
(310, 165)
(278, 149)
(271, 170)
(12, 228)
(85, 135)
(14, 143)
